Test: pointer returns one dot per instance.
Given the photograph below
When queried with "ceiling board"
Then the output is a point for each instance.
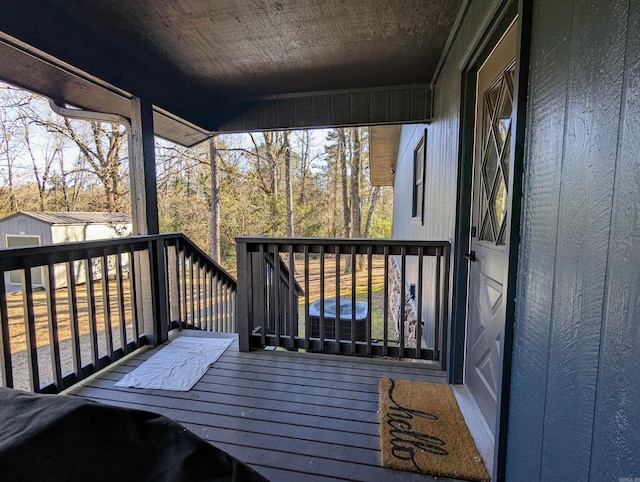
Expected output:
(190, 56)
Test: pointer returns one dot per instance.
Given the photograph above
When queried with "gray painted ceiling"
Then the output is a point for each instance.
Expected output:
(190, 56)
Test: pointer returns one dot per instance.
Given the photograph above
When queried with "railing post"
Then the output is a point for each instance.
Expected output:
(243, 314)
(174, 293)
(159, 292)
(152, 284)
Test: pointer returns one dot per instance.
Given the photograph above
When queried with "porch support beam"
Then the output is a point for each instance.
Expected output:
(142, 169)
(144, 212)
(343, 108)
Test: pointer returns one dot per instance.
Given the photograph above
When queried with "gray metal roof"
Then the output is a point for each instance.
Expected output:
(75, 218)
(202, 62)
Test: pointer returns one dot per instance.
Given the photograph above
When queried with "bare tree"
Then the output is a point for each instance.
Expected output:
(356, 166)
(346, 210)
(11, 142)
(373, 200)
(215, 201)
(102, 148)
(288, 183)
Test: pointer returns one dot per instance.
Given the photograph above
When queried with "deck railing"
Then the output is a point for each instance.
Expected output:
(80, 306)
(202, 294)
(351, 296)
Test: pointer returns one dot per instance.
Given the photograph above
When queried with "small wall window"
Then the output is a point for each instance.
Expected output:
(418, 181)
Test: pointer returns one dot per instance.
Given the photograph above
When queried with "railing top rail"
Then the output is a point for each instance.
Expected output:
(228, 278)
(345, 245)
(341, 241)
(139, 242)
(32, 256)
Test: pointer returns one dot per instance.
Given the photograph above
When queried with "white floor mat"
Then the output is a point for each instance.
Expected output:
(177, 366)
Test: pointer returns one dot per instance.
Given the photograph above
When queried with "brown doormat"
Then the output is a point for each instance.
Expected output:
(422, 430)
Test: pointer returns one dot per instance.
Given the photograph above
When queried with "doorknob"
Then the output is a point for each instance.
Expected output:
(471, 256)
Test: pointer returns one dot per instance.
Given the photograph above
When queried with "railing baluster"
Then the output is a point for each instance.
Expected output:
(183, 278)
(338, 319)
(234, 304)
(276, 293)
(259, 272)
(136, 308)
(385, 322)
(445, 307)
(73, 319)
(106, 305)
(205, 298)
(54, 344)
(437, 317)
(229, 308)
(121, 309)
(177, 286)
(322, 320)
(419, 303)
(403, 295)
(6, 366)
(223, 305)
(216, 300)
(30, 330)
(353, 299)
(307, 322)
(369, 298)
(192, 291)
(91, 302)
(198, 291)
(212, 300)
(293, 308)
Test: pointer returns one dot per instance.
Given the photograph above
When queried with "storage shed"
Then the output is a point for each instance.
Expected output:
(35, 228)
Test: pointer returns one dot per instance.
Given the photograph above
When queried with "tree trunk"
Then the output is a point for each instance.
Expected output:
(215, 201)
(304, 162)
(356, 165)
(342, 150)
(344, 177)
(375, 195)
(289, 183)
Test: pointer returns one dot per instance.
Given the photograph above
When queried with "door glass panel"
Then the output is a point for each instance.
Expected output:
(495, 163)
(489, 168)
(486, 232)
(499, 201)
(503, 121)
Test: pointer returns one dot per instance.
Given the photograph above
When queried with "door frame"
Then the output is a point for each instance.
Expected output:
(481, 51)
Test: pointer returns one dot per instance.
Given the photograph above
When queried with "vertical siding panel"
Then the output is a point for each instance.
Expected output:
(616, 437)
(543, 164)
(592, 122)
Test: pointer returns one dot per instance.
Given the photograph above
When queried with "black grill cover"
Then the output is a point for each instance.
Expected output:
(59, 437)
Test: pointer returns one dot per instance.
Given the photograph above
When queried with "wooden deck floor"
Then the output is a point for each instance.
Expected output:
(292, 416)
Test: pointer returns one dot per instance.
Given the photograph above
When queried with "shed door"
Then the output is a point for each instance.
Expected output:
(21, 241)
(488, 253)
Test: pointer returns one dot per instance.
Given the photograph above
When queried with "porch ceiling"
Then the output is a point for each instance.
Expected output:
(383, 152)
(225, 65)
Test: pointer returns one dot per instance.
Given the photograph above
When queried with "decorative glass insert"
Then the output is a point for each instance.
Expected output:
(496, 137)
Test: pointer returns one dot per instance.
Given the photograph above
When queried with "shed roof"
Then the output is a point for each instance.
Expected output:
(205, 63)
(74, 217)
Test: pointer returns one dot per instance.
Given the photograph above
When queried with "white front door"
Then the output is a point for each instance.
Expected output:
(489, 212)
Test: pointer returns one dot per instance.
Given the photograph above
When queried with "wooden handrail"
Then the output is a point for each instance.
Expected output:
(268, 313)
(140, 264)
